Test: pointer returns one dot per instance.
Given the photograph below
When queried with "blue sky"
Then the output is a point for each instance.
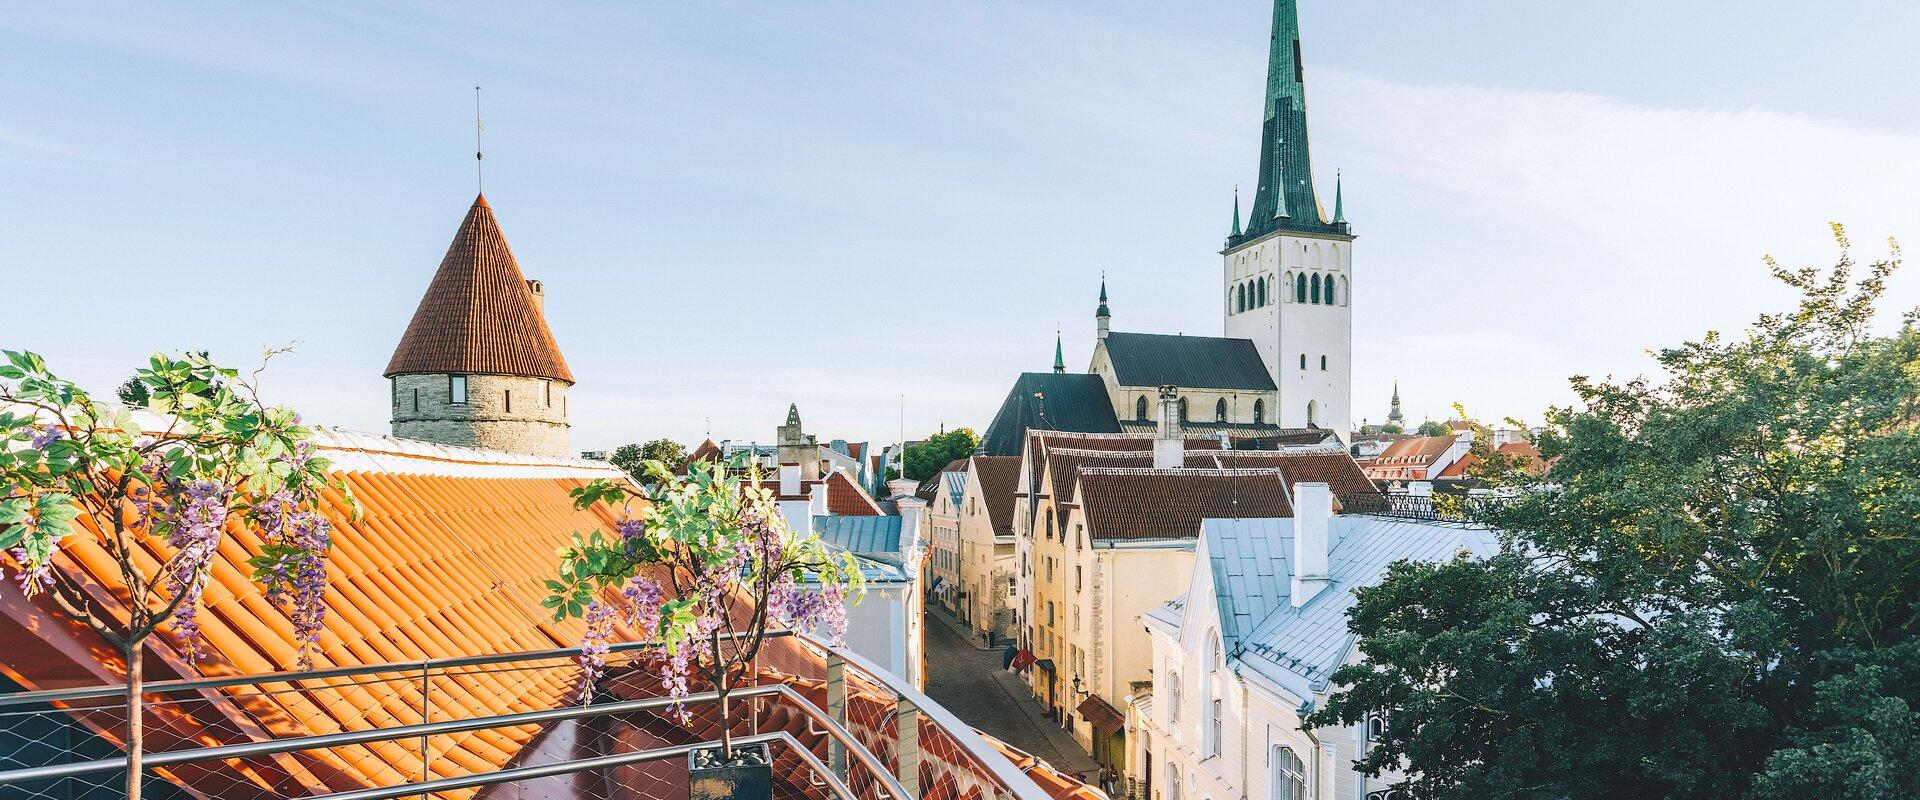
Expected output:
(735, 206)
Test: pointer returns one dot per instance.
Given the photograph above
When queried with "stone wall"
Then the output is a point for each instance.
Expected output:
(502, 412)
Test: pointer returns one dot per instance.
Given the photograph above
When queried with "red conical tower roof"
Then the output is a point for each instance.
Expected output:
(478, 315)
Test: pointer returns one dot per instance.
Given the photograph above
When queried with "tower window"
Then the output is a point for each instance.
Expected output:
(1183, 409)
(1323, 363)
(1241, 303)
(1220, 410)
(1263, 291)
(1259, 411)
(1300, 288)
(1315, 294)
(546, 393)
(508, 394)
(1140, 408)
(1330, 296)
(416, 398)
(396, 392)
(457, 389)
(1303, 360)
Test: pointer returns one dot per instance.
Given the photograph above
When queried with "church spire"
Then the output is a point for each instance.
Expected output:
(1059, 360)
(1286, 198)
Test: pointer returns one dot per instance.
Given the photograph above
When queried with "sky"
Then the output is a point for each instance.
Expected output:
(882, 211)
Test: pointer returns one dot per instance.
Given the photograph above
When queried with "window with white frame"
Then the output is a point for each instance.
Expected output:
(1289, 775)
(1173, 782)
(1173, 698)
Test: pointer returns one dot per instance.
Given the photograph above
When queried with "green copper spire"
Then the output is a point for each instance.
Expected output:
(1059, 360)
(1102, 310)
(1236, 211)
(1285, 199)
(1339, 201)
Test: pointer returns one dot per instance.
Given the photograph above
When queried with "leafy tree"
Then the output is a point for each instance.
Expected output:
(133, 393)
(631, 458)
(1715, 593)
(1434, 428)
(926, 458)
(1392, 427)
(160, 502)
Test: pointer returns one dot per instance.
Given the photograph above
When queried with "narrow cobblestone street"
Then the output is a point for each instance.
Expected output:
(969, 682)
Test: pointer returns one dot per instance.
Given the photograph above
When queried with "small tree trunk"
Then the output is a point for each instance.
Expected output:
(136, 727)
(726, 713)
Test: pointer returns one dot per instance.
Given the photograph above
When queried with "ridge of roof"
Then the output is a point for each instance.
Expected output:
(477, 315)
(1196, 362)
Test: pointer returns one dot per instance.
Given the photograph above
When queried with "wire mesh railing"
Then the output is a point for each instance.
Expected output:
(1463, 509)
(507, 726)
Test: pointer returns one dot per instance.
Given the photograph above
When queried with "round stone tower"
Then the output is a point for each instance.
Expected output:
(477, 366)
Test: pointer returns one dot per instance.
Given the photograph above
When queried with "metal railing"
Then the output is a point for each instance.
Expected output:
(882, 737)
(1463, 509)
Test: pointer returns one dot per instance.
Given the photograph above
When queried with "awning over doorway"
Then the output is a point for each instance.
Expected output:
(1103, 717)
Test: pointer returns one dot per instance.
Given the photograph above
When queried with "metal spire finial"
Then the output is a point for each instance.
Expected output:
(479, 175)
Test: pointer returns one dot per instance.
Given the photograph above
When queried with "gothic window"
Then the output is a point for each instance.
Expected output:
(1140, 408)
(1303, 360)
(1286, 285)
(1241, 303)
(1259, 411)
(1049, 534)
(1220, 410)
(1376, 722)
(457, 389)
(1315, 293)
(1332, 299)
(1262, 285)
(1300, 288)
(1313, 410)
(1323, 363)
(1345, 297)
(1183, 409)
(1289, 774)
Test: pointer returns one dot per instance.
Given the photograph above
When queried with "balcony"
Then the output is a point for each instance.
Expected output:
(835, 725)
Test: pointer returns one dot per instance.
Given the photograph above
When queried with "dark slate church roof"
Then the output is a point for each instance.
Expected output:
(1050, 401)
(1189, 362)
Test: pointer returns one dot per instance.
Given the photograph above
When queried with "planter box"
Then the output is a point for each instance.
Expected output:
(749, 777)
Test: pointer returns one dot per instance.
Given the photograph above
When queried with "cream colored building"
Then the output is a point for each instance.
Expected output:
(944, 585)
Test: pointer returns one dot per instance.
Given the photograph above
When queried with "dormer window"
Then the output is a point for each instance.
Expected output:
(457, 389)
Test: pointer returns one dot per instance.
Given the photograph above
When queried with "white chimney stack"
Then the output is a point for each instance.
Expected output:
(1312, 517)
(911, 509)
(1169, 442)
(789, 480)
(817, 499)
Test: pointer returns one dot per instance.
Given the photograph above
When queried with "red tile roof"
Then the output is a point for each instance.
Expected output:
(478, 316)
(1127, 503)
(846, 498)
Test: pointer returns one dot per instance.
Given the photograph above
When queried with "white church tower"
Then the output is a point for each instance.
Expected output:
(1289, 272)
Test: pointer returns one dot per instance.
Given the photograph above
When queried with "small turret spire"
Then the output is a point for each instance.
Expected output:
(1339, 200)
(793, 414)
(1059, 358)
(1236, 210)
(1102, 318)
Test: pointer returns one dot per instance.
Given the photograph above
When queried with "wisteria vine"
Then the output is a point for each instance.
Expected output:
(219, 461)
(701, 566)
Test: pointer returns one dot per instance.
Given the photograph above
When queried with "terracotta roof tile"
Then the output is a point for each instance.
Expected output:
(846, 498)
(478, 316)
(999, 475)
(1125, 503)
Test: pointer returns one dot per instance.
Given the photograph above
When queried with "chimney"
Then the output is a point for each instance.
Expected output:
(539, 293)
(798, 513)
(911, 509)
(817, 499)
(789, 480)
(902, 487)
(1312, 516)
(1169, 443)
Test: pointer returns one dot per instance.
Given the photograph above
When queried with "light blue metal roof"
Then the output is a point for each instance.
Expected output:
(864, 535)
(1250, 562)
(956, 485)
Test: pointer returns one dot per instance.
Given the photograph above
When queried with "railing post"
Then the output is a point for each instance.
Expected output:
(906, 746)
(837, 708)
(426, 716)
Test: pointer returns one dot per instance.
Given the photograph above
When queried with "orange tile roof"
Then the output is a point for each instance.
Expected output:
(846, 498)
(1131, 503)
(447, 559)
(478, 316)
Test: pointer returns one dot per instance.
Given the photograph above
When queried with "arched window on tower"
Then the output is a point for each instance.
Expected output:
(1241, 303)
(1262, 285)
(1345, 297)
(1183, 409)
(1286, 287)
(1315, 293)
(1332, 299)
(1313, 413)
(1300, 288)
(1140, 408)
(1259, 411)
(1220, 410)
